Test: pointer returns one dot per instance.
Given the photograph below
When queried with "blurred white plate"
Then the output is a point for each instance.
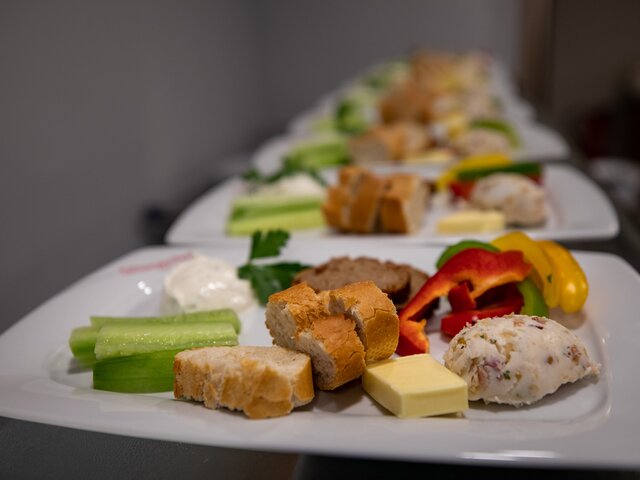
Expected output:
(579, 210)
(591, 423)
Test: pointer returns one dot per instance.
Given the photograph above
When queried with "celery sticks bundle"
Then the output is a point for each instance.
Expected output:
(135, 354)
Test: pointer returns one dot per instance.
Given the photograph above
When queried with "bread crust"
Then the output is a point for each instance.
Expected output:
(403, 205)
(260, 381)
(340, 329)
(366, 202)
(375, 316)
(363, 202)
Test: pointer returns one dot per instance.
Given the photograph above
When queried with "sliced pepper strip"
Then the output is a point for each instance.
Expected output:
(456, 248)
(469, 163)
(543, 272)
(534, 303)
(482, 269)
(573, 284)
(454, 322)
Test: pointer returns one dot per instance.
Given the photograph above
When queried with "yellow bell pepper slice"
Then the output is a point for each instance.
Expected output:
(473, 162)
(543, 273)
(574, 287)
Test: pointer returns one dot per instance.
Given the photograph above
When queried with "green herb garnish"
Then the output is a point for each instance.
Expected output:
(268, 279)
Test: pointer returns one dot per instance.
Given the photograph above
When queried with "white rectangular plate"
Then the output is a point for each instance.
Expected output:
(591, 423)
(579, 210)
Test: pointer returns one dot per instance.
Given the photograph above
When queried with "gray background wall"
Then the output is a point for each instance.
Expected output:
(107, 107)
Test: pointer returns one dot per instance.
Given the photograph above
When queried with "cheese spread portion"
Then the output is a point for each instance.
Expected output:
(472, 221)
(415, 386)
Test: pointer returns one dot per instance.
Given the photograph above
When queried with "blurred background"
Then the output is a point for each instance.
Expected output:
(114, 115)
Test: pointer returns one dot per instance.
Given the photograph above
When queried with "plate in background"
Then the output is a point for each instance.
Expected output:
(579, 210)
(591, 423)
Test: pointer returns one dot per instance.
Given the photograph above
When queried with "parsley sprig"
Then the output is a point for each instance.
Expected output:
(268, 279)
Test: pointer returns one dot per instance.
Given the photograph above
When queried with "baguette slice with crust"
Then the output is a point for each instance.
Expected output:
(342, 331)
(299, 319)
(261, 381)
(366, 203)
(337, 205)
(374, 315)
(403, 205)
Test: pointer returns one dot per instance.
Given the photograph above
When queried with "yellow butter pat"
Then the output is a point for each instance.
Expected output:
(415, 386)
(472, 221)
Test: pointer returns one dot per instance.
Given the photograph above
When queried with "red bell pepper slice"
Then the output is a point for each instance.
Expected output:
(454, 322)
(460, 298)
(481, 269)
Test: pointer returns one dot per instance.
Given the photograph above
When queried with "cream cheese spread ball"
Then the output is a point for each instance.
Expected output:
(517, 359)
(522, 201)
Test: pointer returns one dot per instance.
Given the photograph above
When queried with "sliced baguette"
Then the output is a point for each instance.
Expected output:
(337, 206)
(299, 319)
(403, 205)
(366, 203)
(341, 330)
(374, 314)
(260, 381)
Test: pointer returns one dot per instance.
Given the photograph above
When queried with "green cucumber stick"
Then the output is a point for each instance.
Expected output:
(133, 339)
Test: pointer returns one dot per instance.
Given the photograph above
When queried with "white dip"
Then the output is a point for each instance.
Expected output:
(298, 184)
(204, 283)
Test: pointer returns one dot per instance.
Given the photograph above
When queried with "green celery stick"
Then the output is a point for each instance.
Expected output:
(133, 339)
(223, 315)
(144, 373)
(82, 342)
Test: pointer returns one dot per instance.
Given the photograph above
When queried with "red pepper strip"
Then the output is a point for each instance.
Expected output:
(454, 322)
(462, 188)
(481, 268)
(412, 339)
(460, 298)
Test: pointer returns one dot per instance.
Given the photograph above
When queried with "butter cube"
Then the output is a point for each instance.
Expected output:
(415, 386)
(472, 221)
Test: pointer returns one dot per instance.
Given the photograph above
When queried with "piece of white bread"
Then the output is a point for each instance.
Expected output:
(363, 202)
(404, 204)
(363, 214)
(333, 327)
(374, 314)
(337, 205)
(260, 381)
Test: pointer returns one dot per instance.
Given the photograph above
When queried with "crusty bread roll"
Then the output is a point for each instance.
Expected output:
(324, 327)
(261, 381)
(403, 205)
(374, 315)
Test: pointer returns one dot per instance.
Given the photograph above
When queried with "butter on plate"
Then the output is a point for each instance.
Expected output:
(472, 221)
(415, 386)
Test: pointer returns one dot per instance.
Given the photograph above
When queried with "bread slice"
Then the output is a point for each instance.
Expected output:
(366, 203)
(341, 331)
(403, 205)
(261, 381)
(299, 319)
(374, 314)
(337, 206)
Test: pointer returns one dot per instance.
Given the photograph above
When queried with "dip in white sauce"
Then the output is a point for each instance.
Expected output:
(204, 283)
